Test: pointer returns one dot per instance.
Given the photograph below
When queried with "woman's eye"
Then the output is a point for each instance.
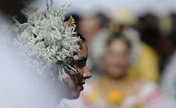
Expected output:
(81, 63)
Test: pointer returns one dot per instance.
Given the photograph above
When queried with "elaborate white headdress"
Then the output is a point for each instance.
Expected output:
(47, 40)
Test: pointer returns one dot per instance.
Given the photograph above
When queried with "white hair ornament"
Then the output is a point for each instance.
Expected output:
(47, 41)
(133, 36)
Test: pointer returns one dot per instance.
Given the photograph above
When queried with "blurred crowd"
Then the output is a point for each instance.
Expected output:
(132, 60)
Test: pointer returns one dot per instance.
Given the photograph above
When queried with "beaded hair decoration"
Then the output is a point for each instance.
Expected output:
(47, 41)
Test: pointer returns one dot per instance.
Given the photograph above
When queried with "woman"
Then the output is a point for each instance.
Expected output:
(51, 45)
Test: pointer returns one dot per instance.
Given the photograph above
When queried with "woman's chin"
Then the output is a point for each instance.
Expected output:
(74, 95)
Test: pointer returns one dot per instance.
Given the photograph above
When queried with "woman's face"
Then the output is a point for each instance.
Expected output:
(116, 58)
(73, 85)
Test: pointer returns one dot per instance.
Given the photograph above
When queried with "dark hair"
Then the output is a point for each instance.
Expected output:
(82, 38)
(76, 18)
(118, 36)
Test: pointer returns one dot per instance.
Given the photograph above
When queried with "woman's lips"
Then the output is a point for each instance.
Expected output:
(81, 85)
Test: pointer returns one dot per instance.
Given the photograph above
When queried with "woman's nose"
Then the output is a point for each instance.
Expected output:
(86, 73)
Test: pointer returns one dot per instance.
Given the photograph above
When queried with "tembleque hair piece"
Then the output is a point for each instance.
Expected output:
(47, 40)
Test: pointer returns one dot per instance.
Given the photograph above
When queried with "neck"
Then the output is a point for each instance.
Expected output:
(120, 79)
(56, 101)
(59, 100)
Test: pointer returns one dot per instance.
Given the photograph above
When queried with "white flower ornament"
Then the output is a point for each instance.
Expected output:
(47, 41)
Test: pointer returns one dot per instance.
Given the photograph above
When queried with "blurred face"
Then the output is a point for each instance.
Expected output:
(88, 27)
(116, 58)
(74, 84)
